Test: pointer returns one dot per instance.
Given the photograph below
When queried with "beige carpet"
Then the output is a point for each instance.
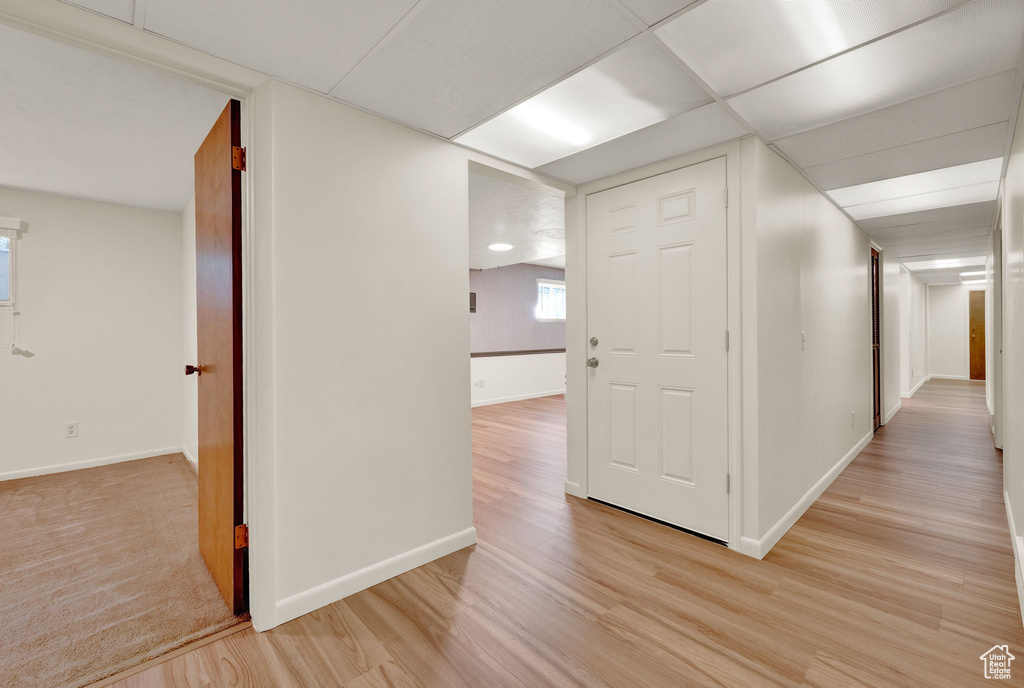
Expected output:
(99, 571)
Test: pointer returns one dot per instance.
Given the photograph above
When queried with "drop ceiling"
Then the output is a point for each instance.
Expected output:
(80, 124)
(851, 92)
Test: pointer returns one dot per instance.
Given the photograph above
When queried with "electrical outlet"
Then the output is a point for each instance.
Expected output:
(479, 383)
(70, 430)
(853, 419)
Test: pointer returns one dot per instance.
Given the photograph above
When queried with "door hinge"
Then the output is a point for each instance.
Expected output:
(727, 197)
(727, 340)
(238, 158)
(241, 536)
(728, 483)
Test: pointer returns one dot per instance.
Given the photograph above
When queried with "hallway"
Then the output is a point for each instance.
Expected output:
(901, 575)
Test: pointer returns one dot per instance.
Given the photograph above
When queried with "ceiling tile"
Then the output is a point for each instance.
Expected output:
(308, 42)
(971, 210)
(734, 46)
(972, 41)
(633, 88)
(971, 105)
(454, 63)
(944, 151)
(77, 123)
(121, 10)
(653, 11)
(979, 226)
(682, 134)
(966, 246)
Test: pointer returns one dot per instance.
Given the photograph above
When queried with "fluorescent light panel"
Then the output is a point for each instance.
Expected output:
(950, 186)
(976, 273)
(920, 183)
(635, 87)
(945, 263)
(972, 281)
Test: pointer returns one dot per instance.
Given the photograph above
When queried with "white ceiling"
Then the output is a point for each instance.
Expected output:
(530, 219)
(80, 124)
(850, 92)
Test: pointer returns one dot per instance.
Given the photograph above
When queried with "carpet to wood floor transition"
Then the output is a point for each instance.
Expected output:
(100, 572)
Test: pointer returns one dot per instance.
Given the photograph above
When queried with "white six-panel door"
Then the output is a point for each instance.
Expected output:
(656, 295)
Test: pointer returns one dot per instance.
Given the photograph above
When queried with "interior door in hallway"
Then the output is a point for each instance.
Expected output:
(976, 321)
(218, 180)
(657, 392)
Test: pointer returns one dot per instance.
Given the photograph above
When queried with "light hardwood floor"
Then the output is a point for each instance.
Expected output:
(900, 575)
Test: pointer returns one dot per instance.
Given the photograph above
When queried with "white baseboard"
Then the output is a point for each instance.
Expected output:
(518, 397)
(88, 463)
(948, 377)
(1018, 550)
(925, 379)
(574, 489)
(759, 548)
(892, 412)
(340, 588)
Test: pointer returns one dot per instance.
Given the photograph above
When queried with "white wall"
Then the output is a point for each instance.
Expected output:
(497, 379)
(891, 339)
(1013, 341)
(918, 333)
(189, 383)
(362, 409)
(904, 332)
(947, 332)
(99, 303)
(814, 400)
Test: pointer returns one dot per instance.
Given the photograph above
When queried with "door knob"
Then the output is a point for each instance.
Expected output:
(197, 369)
(593, 341)
(592, 362)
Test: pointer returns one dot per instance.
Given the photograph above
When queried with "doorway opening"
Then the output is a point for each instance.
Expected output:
(876, 341)
(99, 492)
(517, 330)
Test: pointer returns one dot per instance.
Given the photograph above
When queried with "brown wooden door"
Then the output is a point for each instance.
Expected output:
(876, 341)
(219, 305)
(977, 326)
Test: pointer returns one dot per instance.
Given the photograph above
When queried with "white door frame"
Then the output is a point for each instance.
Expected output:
(576, 321)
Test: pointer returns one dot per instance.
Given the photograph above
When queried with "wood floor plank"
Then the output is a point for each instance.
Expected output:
(901, 574)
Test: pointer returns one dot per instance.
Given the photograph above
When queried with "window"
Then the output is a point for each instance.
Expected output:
(550, 300)
(5, 271)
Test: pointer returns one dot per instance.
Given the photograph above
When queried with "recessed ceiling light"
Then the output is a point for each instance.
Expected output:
(976, 273)
(501, 247)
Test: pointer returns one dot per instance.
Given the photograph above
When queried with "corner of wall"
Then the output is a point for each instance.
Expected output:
(340, 588)
(775, 533)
